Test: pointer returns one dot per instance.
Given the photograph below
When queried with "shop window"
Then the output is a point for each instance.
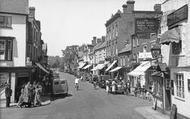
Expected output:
(179, 82)
(176, 48)
(5, 21)
(6, 48)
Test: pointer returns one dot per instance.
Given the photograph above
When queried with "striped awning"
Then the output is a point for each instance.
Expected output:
(87, 66)
(111, 65)
(116, 69)
(172, 35)
(81, 65)
(140, 70)
(41, 67)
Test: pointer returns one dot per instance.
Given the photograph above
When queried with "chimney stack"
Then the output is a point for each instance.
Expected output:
(99, 40)
(32, 12)
(94, 41)
(103, 39)
(129, 7)
(157, 7)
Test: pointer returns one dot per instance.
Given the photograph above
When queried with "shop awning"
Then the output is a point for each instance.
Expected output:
(116, 69)
(111, 65)
(140, 70)
(172, 35)
(87, 66)
(81, 65)
(41, 67)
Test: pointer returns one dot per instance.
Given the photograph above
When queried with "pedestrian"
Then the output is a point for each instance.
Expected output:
(8, 94)
(77, 82)
(107, 86)
(30, 95)
(20, 101)
(37, 100)
(113, 86)
(26, 95)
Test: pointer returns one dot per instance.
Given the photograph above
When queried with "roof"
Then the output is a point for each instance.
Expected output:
(100, 46)
(14, 6)
(103, 45)
(125, 49)
(113, 18)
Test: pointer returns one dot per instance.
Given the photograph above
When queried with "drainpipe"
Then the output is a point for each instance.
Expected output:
(164, 94)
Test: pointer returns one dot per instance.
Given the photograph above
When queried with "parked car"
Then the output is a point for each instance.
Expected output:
(60, 86)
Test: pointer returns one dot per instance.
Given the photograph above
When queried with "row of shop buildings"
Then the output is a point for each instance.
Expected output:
(23, 54)
(149, 49)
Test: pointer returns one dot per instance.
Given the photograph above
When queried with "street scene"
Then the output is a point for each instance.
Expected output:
(92, 59)
(86, 103)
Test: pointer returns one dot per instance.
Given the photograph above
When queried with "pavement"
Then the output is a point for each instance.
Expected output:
(150, 113)
(45, 101)
(87, 103)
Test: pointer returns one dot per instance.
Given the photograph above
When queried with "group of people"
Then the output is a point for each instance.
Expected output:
(115, 85)
(30, 95)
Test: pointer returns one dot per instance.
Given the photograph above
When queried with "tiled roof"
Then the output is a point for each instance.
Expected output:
(14, 6)
(100, 46)
(125, 49)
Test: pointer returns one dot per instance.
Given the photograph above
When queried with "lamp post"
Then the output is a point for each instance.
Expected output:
(156, 54)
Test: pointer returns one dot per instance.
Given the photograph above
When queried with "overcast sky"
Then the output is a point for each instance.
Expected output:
(75, 22)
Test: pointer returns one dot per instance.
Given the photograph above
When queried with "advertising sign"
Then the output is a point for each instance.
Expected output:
(145, 26)
(178, 15)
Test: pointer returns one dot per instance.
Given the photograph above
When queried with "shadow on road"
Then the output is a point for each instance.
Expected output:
(60, 96)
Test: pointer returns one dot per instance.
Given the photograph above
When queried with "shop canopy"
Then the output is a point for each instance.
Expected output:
(116, 69)
(41, 67)
(111, 65)
(87, 66)
(81, 65)
(172, 35)
(140, 70)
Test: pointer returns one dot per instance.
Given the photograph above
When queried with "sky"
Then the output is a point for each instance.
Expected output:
(75, 22)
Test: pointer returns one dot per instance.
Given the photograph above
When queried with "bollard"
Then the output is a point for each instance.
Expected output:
(173, 113)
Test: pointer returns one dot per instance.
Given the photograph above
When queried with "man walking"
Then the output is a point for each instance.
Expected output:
(8, 93)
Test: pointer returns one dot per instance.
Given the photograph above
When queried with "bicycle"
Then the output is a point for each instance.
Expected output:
(77, 86)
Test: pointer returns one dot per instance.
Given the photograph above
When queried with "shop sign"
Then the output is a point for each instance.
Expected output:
(178, 15)
(145, 26)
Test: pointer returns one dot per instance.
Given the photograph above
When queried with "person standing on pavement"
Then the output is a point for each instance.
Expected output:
(113, 86)
(107, 86)
(8, 94)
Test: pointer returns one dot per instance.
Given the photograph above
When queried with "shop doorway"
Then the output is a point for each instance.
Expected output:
(21, 81)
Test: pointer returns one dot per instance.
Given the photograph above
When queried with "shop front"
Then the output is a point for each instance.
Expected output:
(137, 76)
(16, 77)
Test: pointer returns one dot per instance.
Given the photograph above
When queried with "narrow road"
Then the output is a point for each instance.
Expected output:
(87, 103)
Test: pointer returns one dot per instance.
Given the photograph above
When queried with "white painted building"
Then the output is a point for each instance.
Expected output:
(175, 28)
(13, 36)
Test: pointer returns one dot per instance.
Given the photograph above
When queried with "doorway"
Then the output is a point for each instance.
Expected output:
(21, 81)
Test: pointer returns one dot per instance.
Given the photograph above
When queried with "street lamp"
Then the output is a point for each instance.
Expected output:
(156, 54)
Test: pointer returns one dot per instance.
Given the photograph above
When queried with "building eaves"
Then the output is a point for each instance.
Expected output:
(149, 12)
(96, 47)
(125, 49)
(14, 7)
(103, 45)
(112, 19)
